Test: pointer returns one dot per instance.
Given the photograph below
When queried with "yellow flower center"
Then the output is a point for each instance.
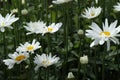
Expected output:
(2, 24)
(50, 29)
(92, 14)
(20, 57)
(29, 48)
(106, 33)
(45, 63)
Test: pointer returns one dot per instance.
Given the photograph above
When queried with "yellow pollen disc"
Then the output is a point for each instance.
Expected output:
(29, 48)
(44, 62)
(50, 29)
(20, 57)
(2, 24)
(92, 14)
(106, 33)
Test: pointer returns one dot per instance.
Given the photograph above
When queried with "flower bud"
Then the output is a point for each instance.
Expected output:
(40, 5)
(96, 1)
(14, 11)
(24, 12)
(70, 75)
(84, 59)
(80, 32)
(23, 2)
(50, 6)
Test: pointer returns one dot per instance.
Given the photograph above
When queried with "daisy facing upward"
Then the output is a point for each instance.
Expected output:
(28, 47)
(92, 12)
(107, 34)
(45, 60)
(41, 28)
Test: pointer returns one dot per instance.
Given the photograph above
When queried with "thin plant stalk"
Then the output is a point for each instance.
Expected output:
(103, 68)
(103, 64)
(66, 35)
(46, 74)
(84, 74)
(95, 63)
(79, 25)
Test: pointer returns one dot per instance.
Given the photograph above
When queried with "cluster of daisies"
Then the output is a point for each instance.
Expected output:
(99, 36)
(23, 53)
(107, 33)
(41, 28)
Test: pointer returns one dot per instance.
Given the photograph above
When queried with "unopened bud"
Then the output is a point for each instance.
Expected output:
(70, 75)
(50, 6)
(24, 12)
(23, 2)
(80, 32)
(84, 59)
(14, 11)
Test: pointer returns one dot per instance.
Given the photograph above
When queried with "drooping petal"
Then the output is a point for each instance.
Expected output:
(9, 62)
(101, 42)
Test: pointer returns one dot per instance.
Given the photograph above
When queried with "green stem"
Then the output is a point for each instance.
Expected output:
(103, 69)
(84, 74)
(66, 36)
(79, 25)
(39, 75)
(103, 64)
(95, 64)
(46, 74)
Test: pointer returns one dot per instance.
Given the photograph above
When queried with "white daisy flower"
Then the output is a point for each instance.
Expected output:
(28, 47)
(7, 21)
(92, 12)
(54, 27)
(36, 27)
(45, 60)
(15, 58)
(109, 33)
(60, 1)
(117, 7)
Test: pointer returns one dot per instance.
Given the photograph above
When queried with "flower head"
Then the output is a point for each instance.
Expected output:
(36, 27)
(28, 47)
(14, 10)
(108, 34)
(54, 27)
(60, 1)
(84, 59)
(92, 12)
(7, 21)
(45, 60)
(117, 7)
(15, 58)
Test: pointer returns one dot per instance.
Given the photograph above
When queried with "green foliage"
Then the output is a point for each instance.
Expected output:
(66, 43)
